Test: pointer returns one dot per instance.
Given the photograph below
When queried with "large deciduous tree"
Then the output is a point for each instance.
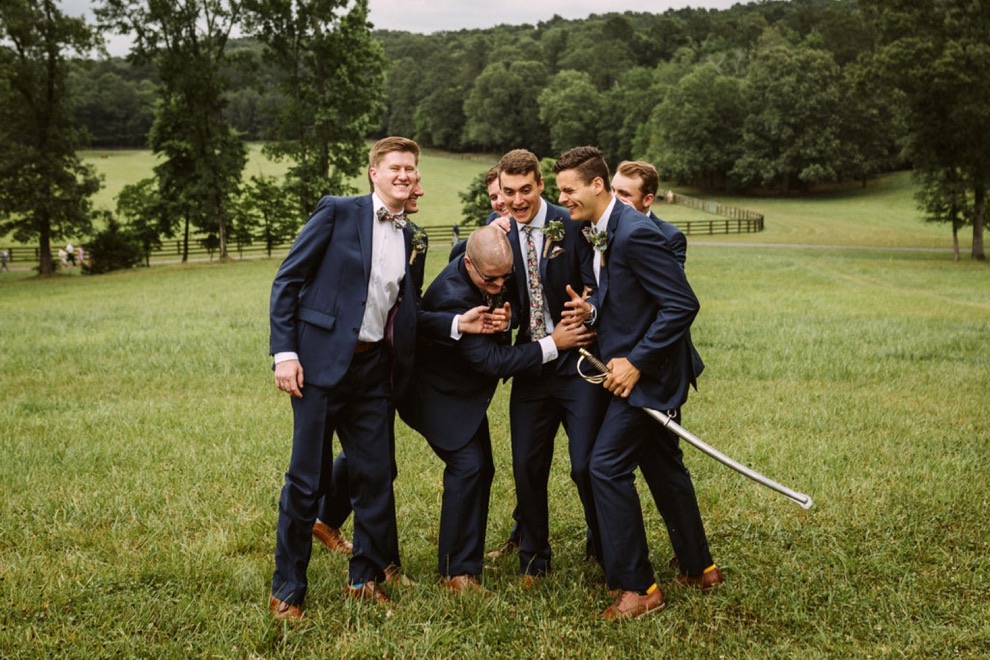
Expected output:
(791, 138)
(45, 188)
(203, 157)
(333, 87)
(697, 128)
(938, 54)
(502, 110)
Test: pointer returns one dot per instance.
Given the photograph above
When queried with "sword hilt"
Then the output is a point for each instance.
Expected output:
(602, 368)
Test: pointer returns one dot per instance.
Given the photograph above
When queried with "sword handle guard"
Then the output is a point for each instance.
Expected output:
(603, 370)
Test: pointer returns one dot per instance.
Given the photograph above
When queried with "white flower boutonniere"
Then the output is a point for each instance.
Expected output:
(553, 232)
(420, 242)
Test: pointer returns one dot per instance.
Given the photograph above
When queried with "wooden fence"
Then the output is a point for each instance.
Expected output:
(732, 220)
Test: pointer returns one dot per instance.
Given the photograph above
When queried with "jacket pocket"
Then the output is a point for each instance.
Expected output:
(316, 317)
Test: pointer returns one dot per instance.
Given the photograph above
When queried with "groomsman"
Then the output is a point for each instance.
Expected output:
(550, 255)
(635, 183)
(643, 309)
(455, 382)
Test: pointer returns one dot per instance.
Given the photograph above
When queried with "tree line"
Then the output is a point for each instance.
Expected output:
(771, 96)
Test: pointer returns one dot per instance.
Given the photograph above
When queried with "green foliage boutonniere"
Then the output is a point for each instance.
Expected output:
(420, 242)
(553, 232)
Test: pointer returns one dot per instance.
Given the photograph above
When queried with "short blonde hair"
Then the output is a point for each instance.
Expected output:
(388, 145)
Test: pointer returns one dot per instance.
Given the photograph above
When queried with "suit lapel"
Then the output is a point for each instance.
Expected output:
(365, 218)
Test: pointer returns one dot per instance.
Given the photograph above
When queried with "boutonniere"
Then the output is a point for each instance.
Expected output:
(598, 240)
(553, 232)
(420, 242)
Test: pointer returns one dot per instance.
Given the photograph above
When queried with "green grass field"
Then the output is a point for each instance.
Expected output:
(143, 446)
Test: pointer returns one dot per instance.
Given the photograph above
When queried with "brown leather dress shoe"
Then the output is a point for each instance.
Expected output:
(283, 611)
(463, 584)
(528, 581)
(630, 605)
(505, 549)
(332, 539)
(707, 581)
(367, 591)
(395, 577)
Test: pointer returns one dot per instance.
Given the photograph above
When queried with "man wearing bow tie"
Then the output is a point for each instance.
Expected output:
(343, 324)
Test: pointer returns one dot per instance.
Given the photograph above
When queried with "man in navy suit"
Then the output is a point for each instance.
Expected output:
(344, 308)
(550, 255)
(455, 383)
(635, 183)
(643, 309)
(335, 506)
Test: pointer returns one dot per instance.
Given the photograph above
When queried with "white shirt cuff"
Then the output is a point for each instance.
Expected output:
(549, 349)
(285, 356)
(455, 334)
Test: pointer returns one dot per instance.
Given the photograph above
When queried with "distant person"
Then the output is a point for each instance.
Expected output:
(63, 258)
(457, 235)
(70, 253)
(4, 258)
(79, 255)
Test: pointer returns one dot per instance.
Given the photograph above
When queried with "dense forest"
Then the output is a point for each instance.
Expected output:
(767, 94)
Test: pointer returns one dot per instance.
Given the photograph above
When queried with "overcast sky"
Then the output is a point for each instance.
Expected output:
(427, 16)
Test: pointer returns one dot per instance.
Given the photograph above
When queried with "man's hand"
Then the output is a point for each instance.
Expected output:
(502, 223)
(500, 317)
(289, 377)
(623, 378)
(479, 321)
(576, 310)
(572, 335)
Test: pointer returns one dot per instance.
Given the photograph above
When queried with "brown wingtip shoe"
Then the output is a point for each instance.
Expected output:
(332, 539)
(710, 579)
(283, 611)
(367, 591)
(631, 605)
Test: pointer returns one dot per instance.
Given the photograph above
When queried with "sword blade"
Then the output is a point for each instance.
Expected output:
(802, 499)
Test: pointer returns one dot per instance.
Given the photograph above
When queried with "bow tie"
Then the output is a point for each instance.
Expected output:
(397, 219)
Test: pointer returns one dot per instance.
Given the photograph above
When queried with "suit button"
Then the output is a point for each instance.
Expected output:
(356, 330)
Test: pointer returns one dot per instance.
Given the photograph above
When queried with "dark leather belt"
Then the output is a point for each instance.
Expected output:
(365, 346)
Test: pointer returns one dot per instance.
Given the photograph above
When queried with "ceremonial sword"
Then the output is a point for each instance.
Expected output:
(694, 441)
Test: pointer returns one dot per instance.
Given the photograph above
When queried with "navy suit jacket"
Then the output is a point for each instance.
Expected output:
(678, 243)
(455, 381)
(568, 261)
(320, 291)
(645, 310)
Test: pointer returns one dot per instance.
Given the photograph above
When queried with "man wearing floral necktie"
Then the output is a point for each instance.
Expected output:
(550, 255)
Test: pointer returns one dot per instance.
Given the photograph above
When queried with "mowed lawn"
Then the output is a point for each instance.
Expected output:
(143, 447)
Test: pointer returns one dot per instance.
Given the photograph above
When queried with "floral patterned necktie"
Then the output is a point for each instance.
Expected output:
(537, 322)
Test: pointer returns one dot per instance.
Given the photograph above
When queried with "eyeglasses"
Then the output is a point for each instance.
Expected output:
(492, 279)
